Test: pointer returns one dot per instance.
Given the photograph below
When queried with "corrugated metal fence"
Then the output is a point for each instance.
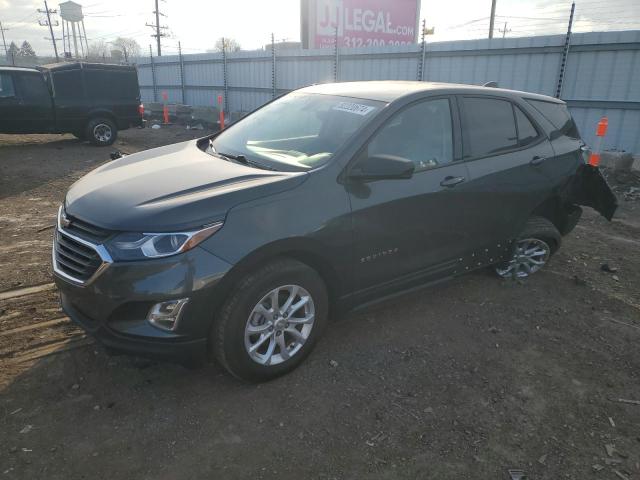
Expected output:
(602, 74)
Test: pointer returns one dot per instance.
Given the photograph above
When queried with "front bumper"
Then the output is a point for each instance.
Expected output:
(113, 307)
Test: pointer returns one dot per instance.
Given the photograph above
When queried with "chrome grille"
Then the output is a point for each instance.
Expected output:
(78, 251)
(74, 258)
(87, 231)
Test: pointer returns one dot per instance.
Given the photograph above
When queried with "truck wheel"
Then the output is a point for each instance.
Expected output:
(101, 131)
(271, 321)
(538, 241)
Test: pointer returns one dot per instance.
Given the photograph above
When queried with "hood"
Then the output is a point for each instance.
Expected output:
(169, 189)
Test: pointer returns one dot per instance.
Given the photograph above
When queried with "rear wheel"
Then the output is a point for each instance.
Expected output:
(271, 321)
(101, 131)
(538, 241)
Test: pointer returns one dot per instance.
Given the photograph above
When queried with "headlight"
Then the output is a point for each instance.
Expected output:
(138, 246)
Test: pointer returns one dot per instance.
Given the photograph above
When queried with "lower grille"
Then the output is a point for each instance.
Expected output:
(75, 259)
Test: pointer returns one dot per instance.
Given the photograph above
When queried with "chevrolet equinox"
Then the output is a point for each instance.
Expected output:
(238, 245)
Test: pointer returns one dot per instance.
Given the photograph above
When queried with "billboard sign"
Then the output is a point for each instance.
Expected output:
(360, 23)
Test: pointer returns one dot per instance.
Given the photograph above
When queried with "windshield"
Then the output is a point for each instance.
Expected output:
(296, 132)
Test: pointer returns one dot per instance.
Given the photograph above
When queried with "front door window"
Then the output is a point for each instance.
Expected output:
(421, 133)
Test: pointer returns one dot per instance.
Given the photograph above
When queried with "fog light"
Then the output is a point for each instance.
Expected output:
(165, 315)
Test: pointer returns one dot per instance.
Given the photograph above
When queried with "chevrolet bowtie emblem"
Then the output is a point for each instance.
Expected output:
(64, 221)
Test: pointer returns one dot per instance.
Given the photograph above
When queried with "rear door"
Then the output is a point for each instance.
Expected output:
(576, 182)
(9, 103)
(36, 112)
(70, 101)
(411, 229)
(509, 158)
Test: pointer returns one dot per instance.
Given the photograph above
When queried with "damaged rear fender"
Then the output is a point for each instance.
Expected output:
(589, 188)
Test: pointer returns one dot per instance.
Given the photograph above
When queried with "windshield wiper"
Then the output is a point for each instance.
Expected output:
(236, 158)
(244, 160)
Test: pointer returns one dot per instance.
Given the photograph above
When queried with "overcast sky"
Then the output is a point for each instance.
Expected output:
(197, 23)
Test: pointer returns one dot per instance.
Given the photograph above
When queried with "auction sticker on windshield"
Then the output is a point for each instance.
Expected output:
(356, 108)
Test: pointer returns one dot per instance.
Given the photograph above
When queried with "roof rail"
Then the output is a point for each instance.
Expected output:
(491, 84)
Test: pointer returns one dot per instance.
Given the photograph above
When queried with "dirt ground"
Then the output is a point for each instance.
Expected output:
(465, 380)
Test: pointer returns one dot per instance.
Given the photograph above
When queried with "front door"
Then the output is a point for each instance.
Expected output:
(9, 104)
(36, 112)
(409, 229)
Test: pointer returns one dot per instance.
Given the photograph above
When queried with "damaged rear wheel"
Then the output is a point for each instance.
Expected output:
(538, 241)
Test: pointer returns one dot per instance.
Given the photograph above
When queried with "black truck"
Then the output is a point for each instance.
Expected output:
(90, 100)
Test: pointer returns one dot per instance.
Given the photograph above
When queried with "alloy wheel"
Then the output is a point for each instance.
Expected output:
(102, 132)
(529, 256)
(279, 325)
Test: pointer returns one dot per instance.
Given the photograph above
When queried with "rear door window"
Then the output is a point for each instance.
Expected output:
(68, 85)
(7, 89)
(558, 115)
(489, 127)
(421, 133)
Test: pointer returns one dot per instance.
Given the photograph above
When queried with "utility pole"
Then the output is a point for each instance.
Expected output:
(4, 42)
(181, 72)
(423, 50)
(565, 52)
(493, 18)
(273, 66)
(153, 74)
(157, 27)
(50, 25)
(504, 30)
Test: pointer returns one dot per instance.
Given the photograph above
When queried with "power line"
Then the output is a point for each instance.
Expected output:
(157, 27)
(530, 18)
(452, 27)
(30, 16)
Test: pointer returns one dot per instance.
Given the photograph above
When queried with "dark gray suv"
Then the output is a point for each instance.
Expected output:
(239, 245)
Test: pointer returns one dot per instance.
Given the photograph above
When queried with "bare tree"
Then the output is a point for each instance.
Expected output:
(230, 44)
(128, 46)
(98, 50)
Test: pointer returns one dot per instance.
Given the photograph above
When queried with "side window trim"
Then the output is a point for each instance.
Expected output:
(539, 138)
(539, 131)
(456, 119)
(455, 132)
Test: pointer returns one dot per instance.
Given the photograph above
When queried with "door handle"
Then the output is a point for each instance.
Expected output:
(535, 161)
(451, 181)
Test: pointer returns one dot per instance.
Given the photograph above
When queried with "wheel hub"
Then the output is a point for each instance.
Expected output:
(279, 325)
(529, 257)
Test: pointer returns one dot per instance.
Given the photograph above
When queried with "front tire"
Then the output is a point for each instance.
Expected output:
(271, 321)
(538, 241)
(101, 131)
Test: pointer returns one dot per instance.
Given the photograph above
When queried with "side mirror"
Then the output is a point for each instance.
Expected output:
(382, 167)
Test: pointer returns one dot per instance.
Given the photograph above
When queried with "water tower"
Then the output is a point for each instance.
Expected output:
(73, 30)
